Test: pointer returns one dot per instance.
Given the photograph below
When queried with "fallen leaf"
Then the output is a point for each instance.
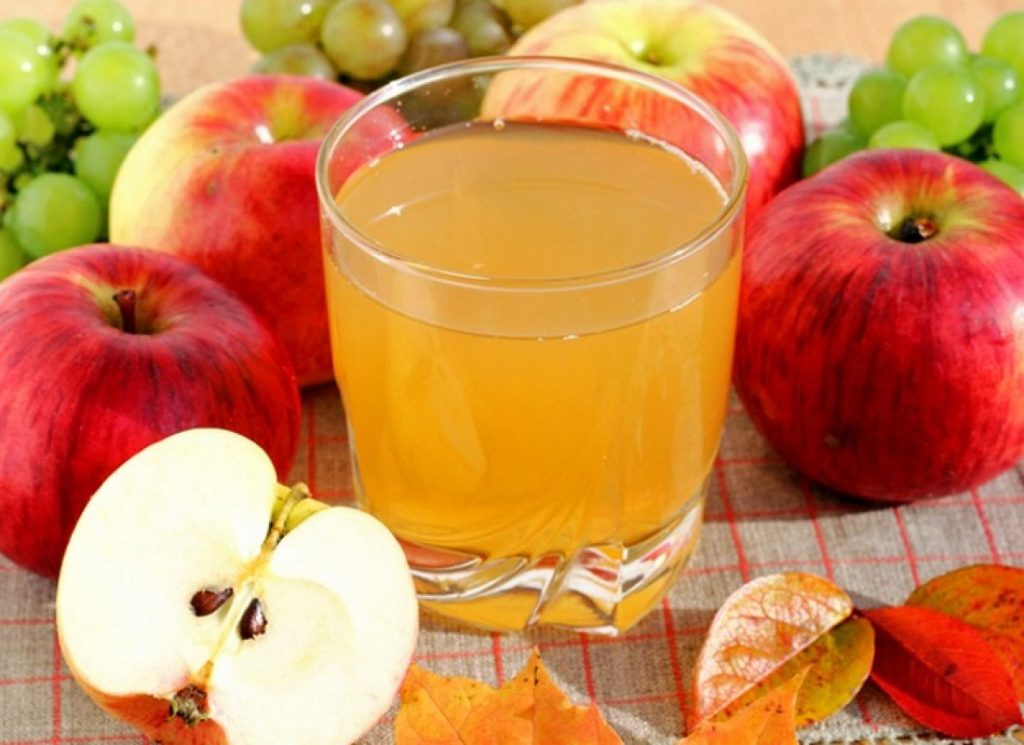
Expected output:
(529, 709)
(761, 627)
(990, 598)
(942, 672)
(435, 708)
(768, 720)
(837, 665)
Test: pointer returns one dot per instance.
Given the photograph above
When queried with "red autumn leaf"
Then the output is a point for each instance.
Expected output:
(528, 710)
(759, 628)
(768, 720)
(942, 672)
(990, 598)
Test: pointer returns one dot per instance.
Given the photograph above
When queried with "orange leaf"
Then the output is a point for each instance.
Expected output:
(435, 708)
(769, 720)
(528, 710)
(990, 598)
(758, 629)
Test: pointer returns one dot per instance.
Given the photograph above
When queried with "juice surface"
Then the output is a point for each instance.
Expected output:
(486, 436)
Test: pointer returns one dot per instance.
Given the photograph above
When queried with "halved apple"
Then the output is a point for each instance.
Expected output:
(202, 602)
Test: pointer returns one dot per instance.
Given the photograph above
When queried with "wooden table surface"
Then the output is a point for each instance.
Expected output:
(199, 40)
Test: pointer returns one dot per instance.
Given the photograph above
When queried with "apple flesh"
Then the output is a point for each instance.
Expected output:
(105, 350)
(697, 45)
(219, 629)
(225, 179)
(879, 344)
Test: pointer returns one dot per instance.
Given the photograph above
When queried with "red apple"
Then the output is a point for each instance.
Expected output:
(225, 179)
(880, 346)
(698, 45)
(204, 603)
(105, 350)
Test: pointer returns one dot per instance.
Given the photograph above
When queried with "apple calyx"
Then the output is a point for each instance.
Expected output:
(126, 300)
(189, 705)
(914, 229)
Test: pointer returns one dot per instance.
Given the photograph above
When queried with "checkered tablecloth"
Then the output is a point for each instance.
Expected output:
(761, 518)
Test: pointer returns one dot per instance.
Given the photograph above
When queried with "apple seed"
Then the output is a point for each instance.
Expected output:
(208, 601)
(253, 621)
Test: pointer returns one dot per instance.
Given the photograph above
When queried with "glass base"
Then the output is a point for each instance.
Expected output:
(601, 589)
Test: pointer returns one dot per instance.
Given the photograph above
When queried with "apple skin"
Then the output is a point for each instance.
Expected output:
(225, 179)
(883, 369)
(80, 395)
(701, 47)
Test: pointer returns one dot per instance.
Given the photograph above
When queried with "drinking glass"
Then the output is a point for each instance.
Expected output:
(532, 270)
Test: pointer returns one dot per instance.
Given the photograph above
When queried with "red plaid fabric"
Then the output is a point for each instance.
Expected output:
(761, 518)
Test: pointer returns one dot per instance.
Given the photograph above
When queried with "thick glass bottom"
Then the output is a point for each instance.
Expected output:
(600, 589)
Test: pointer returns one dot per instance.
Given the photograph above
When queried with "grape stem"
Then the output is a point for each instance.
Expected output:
(125, 300)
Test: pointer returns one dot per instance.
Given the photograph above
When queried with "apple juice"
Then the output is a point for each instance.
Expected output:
(506, 415)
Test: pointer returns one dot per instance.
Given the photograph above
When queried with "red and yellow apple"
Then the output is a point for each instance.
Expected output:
(105, 350)
(205, 604)
(880, 343)
(225, 179)
(698, 45)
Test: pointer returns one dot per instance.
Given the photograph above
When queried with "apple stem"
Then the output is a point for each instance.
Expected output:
(295, 495)
(914, 229)
(125, 300)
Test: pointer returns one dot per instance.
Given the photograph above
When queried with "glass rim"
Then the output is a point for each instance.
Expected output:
(484, 65)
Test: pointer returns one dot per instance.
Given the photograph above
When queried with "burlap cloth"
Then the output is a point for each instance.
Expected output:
(761, 518)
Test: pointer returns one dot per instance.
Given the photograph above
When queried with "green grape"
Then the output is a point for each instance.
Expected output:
(12, 258)
(527, 13)
(833, 145)
(998, 82)
(433, 47)
(480, 24)
(10, 153)
(93, 22)
(117, 87)
(1008, 173)
(945, 100)
(1004, 41)
(876, 99)
(55, 211)
(903, 135)
(24, 74)
(41, 39)
(32, 30)
(925, 41)
(35, 127)
(296, 59)
(364, 39)
(421, 15)
(272, 24)
(1008, 135)
(98, 157)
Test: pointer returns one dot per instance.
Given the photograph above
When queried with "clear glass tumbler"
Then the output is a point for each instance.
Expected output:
(532, 275)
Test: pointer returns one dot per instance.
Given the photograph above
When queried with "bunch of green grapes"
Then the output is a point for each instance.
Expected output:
(63, 137)
(933, 94)
(367, 42)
